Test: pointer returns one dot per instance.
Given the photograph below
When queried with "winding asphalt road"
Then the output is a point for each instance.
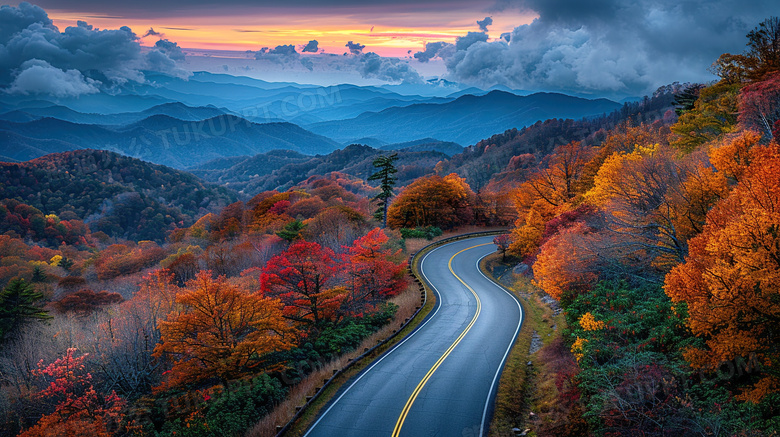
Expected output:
(441, 380)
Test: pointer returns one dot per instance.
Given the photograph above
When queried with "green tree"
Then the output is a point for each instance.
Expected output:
(714, 113)
(38, 275)
(292, 230)
(685, 100)
(386, 177)
(66, 263)
(18, 305)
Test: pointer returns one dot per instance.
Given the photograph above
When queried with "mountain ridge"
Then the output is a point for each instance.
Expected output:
(465, 120)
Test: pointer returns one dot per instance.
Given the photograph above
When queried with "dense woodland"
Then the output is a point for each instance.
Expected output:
(138, 300)
(661, 245)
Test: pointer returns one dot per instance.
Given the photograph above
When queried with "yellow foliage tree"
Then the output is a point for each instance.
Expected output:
(655, 201)
(589, 323)
(714, 113)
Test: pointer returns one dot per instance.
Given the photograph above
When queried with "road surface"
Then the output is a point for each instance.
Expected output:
(442, 379)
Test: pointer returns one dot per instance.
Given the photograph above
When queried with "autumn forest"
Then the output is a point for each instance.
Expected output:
(138, 299)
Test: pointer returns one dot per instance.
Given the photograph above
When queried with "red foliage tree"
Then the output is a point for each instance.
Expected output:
(373, 273)
(758, 105)
(502, 242)
(304, 278)
(564, 267)
(79, 409)
(85, 301)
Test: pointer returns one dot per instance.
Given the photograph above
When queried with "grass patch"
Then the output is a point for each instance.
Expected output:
(517, 391)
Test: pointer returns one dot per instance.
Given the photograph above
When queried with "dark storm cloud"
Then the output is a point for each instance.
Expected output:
(464, 42)
(282, 54)
(283, 50)
(433, 49)
(355, 48)
(373, 66)
(311, 47)
(35, 57)
(14, 20)
(152, 32)
(171, 49)
(608, 46)
(483, 24)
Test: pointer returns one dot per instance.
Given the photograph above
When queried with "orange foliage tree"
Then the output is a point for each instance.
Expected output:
(733, 156)
(730, 280)
(564, 266)
(445, 202)
(221, 331)
(550, 191)
(622, 138)
(304, 277)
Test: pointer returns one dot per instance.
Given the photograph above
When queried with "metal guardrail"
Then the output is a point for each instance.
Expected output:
(413, 260)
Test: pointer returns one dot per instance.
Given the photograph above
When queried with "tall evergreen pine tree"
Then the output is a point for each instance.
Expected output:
(18, 305)
(386, 176)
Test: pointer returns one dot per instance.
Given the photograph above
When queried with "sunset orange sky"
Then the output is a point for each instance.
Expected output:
(393, 34)
(608, 48)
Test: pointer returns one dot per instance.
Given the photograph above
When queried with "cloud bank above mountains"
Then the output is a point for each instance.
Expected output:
(602, 46)
(596, 47)
(36, 58)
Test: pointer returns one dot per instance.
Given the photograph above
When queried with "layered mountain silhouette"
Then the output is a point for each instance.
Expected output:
(161, 139)
(464, 120)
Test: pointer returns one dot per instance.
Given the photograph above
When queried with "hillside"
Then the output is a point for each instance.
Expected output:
(162, 139)
(121, 196)
(174, 109)
(15, 147)
(425, 145)
(281, 170)
(233, 170)
(465, 120)
(493, 160)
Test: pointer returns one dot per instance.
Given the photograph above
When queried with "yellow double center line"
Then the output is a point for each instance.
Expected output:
(416, 392)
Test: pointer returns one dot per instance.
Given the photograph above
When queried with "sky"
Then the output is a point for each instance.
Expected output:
(599, 48)
(386, 28)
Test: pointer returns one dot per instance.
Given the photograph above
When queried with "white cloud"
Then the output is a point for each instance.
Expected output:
(39, 77)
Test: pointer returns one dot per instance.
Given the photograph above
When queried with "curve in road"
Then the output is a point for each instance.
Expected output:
(441, 379)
